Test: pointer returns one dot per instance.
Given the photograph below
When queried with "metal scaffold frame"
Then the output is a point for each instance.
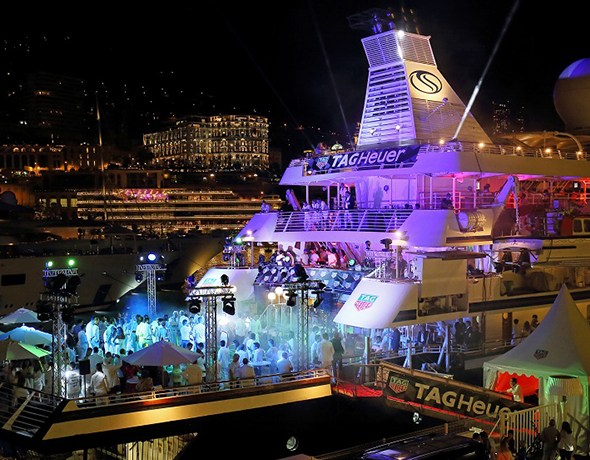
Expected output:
(151, 274)
(303, 288)
(60, 302)
(209, 295)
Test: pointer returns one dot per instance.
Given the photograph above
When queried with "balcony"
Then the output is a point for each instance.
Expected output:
(357, 220)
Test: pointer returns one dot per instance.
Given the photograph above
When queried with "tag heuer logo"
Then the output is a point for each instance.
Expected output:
(398, 385)
(365, 301)
(321, 162)
(540, 354)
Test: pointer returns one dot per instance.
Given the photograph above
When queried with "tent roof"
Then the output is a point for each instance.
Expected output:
(559, 345)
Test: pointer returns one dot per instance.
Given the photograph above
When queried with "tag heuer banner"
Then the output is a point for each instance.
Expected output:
(386, 157)
(449, 397)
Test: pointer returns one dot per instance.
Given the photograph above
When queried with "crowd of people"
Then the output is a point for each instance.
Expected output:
(554, 441)
(97, 351)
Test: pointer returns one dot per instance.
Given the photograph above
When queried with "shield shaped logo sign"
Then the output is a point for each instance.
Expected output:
(398, 385)
(540, 354)
(321, 163)
(365, 301)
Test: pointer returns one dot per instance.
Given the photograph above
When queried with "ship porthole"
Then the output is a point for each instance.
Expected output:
(292, 443)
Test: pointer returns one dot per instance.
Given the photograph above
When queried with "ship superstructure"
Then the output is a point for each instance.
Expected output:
(440, 226)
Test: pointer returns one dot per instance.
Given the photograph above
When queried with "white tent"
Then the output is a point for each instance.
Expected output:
(560, 345)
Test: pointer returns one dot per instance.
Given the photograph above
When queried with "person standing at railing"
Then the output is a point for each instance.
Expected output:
(223, 360)
(246, 374)
(515, 390)
(98, 385)
(567, 443)
(550, 437)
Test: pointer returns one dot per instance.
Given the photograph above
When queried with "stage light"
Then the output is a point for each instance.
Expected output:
(351, 262)
(224, 279)
(57, 283)
(229, 305)
(300, 273)
(152, 257)
(71, 262)
(279, 290)
(292, 299)
(238, 240)
(138, 277)
(272, 296)
(318, 301)
(195, 306)
(72, 284)
(49, 264)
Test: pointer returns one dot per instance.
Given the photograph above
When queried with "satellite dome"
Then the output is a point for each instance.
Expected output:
(571, 97)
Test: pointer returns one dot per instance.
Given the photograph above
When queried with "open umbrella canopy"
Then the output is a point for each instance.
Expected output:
(28, 335)
(161, 354)
(11, 349)
(20, 316)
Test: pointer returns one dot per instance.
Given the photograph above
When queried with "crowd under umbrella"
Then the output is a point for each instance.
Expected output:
(20, 316)
(11, 350)
(162, 354)
(28, 335)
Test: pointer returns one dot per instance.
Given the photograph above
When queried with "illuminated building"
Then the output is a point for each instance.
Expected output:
(38, 158)
(217, 142)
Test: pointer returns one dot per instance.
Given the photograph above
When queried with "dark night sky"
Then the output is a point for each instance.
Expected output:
(267, 55)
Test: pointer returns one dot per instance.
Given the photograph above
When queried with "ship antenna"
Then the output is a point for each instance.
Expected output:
(485, 70)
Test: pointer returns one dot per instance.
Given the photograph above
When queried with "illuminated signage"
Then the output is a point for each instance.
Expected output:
(394, 157)
(365, 301)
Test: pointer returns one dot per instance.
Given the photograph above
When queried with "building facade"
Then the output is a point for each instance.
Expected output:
(217, 142)
(38, 158)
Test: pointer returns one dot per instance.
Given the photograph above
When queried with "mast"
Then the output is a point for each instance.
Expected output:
(103, 178)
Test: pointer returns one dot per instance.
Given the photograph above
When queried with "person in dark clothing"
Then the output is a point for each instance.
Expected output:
(338, 353)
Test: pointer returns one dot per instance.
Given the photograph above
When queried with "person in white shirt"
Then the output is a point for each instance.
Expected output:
(233, 368)
(144, 333)
(516, 390)
(93, 332)
(82, 344)
(272, 355)
(246, 374)
(332, 259)
(94, 359)
(98, 384)
(326, 352)
(199, 331)
(284, 364)
(72, 382)
(315, 350)
(110, 367)
(223, 360)
(185, 333)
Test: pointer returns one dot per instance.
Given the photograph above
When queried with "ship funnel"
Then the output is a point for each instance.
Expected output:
(407, 101)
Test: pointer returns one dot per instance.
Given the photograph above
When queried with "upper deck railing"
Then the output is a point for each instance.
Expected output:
(465, 147)
(32, 412)
(356, 220)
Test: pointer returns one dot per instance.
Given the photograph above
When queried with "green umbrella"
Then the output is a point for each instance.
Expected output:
(11, 349)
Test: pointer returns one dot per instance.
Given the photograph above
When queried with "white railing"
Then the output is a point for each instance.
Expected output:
(212, 387)
(357, 220)
(432, 145)
(528, 423)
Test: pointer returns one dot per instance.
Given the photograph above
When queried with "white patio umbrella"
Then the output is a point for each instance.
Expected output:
(161, 354)
(11, 349)
(20, 316)
(28, 335)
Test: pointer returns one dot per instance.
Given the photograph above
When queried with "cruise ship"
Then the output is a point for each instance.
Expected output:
(105, 258)
(167, 210)
(446, 223)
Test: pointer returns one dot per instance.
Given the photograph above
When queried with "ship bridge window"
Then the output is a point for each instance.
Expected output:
(586, 225)
(577, 225)
(13, 280)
